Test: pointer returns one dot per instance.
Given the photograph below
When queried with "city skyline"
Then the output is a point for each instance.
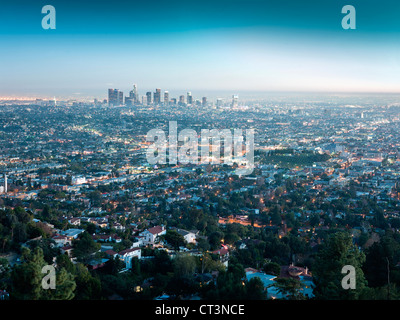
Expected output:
(263, 46)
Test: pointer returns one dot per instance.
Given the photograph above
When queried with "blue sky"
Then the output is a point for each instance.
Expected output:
(235, 45)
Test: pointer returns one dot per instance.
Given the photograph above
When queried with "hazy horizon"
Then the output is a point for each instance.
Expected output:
(234, 46)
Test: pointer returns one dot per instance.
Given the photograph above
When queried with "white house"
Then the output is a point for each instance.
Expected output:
(61, 240)
(150, 235)
(74, 221)
(223, 254)
(189, 236)
(78, 180)
(72, 233)
(137, 243)
(128, 254)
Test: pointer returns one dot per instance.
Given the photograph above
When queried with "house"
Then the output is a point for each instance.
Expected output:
(96, 264)
(301, 274)
(118, 226)
(74, 221)
(128, 254)
(111, 253)
(116, 238)
(137, 242)
(67, 250)
(223, 254)
(72, 233)
(61, 240)
(150, 235)
(189, 236)
(101, 237)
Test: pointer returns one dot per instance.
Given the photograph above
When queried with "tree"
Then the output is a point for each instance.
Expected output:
(184, 265)
(87, 286)
(27, 279)
(289, 288)
(202, 244)
(272, 268)
(91, 228)
(215, 239)
(85, 247)
(5, 273)
(95, 198)
(379, 255)
(63, 261)
(175, 239)
(255, 289)
(336, 252)
(65, 287)
(230, 284)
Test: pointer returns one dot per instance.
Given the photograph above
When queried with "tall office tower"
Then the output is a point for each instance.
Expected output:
(5, 183)
(157, 97)
(115, 97)
(204, 101)
(235, 100)
(135, 94)
(181, 100)
(189, 98)
(173, 101)
(112, 96)
(166, 98)
(219, 102)
(148, 98)
(132, 99)
(120, 98)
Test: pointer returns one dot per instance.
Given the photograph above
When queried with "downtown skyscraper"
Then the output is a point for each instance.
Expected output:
(148, 98)
(115, 97)
(166, 98)
(157, 97)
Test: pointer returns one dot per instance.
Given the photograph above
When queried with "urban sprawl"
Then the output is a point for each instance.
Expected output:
(77, 193)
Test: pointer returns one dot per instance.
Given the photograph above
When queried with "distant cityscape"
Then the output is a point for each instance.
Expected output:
(116, 98)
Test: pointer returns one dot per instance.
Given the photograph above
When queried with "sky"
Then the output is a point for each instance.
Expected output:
(198, 46)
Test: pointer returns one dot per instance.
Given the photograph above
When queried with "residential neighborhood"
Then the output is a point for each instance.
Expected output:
(83, 199)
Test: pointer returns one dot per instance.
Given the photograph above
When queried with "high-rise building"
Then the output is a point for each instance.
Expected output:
(148, 98)
(166, 98)
(133, 95)
(115, 97)
(189, 98)
(157, 97)
(173, 101)
(112, 96)
(181, 100)
(235, 100)
(219, 102)
(204, 101)
(120, 98)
